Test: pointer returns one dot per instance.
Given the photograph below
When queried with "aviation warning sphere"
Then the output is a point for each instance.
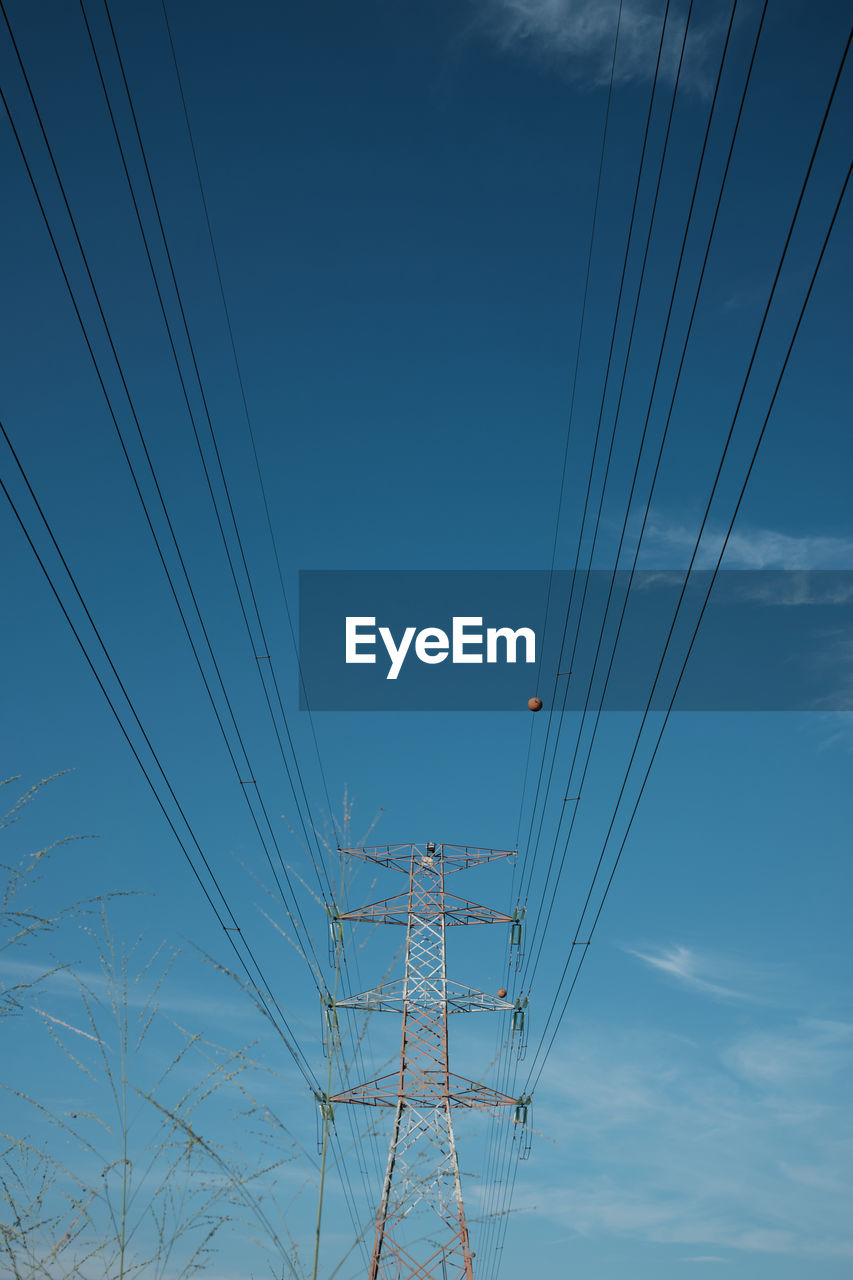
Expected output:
(535, 704)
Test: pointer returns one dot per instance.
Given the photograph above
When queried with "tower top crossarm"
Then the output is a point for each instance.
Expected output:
(454, 857)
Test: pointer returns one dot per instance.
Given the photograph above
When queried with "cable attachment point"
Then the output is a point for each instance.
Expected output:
(330, 1037)
(523, 1133)
(516, 936)
(336, 933)
(518, 1026)
(325, 1117)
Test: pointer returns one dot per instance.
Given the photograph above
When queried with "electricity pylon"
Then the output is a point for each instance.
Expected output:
(422, 1174)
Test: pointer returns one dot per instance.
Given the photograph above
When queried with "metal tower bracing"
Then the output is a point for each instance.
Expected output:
(421, 1229)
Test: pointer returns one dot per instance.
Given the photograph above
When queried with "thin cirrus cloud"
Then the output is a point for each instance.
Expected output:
(578, 35)
(816, 1049)
(688, 969)
(746, 549)
(68, 981)
(743, 1150)
(837, 729)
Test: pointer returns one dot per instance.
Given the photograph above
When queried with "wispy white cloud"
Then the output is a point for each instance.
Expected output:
(794, 588)
(705, 1152)
(68, 982)
(689, 969)
(813, 1050)
(814, 1176)
(831, 655)
(578, 36)
(668, 545)
(837, 730)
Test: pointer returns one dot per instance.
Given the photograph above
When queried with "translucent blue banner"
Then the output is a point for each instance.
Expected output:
(490, 640)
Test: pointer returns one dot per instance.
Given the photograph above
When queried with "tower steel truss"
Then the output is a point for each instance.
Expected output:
(420, 1227)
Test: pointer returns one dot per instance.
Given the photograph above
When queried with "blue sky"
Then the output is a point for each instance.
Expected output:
(401, 198)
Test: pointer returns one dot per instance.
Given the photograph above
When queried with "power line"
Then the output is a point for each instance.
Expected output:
(673, 293)
(511, 1070)
(585, 947)
(530, 862)
(586, 577)
(149, 461)
(292, 1044)
(264, 644)
(582, 321)
(640, 169)
(535, 1074)
(528, 866)
(264, 641)
(287, 1035)
(666, 428)
(244, 398)
(494, 1137)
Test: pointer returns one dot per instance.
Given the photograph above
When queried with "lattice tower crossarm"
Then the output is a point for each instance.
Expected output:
(422, 1174)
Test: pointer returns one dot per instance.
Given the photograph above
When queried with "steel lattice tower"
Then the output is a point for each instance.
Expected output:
(420, 1227)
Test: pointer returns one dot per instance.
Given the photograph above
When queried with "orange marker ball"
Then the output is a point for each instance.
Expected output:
(501, 993)
(535, 704)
